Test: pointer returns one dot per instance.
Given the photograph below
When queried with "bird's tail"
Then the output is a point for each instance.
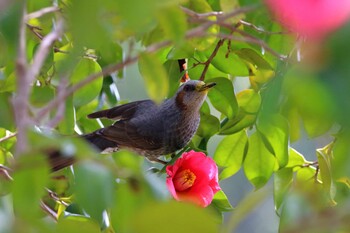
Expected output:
(58, 161)
(99, 142)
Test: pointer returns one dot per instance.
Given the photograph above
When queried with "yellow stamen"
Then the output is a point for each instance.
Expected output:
(184, 180)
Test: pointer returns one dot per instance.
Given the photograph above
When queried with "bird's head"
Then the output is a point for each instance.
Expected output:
(192, 94)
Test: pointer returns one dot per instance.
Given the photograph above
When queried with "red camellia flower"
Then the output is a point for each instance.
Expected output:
(312, 18)
(194, 178)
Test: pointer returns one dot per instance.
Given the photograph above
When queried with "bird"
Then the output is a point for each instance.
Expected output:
(150, 129)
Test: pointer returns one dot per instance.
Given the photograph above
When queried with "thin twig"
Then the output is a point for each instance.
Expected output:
(6, 172)
(261, 30)
(11, 135)
(44, 48)
(48, 210)
(41, 12)
(253, 40)
(210, 59)
(200, 15)
(60, 109)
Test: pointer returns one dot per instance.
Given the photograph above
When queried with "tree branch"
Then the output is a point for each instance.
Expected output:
(44, 48)
(21, 99)
(11, 135)
(210, 59)
(41, 12)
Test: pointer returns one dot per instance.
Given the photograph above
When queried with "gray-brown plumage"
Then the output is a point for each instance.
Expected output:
(148, 129)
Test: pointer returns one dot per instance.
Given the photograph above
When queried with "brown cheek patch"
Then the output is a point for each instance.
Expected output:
(179, 100)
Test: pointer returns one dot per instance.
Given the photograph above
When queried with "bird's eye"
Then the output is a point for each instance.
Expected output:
(189, 88)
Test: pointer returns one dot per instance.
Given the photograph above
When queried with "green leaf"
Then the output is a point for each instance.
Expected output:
(259, 162)
(228, 63)
(86, 94)
(249, 101)
(221, 202)
(208, 126)
(132, 194)
(72, 224)
(173, 70)
(7, 118)
(341, 153)
(155, 77)
(275, 129)
(7, 83)
(230, 152)
(318, 109)
(41, 95)
(66, 125)
(81, 18)
(282, 181)
(94, 188)
(173, 22)
(202, 6)
(260, 70)
(175, 217)
(30, 179)
(296, 160)
(324, 163)
(223, 98)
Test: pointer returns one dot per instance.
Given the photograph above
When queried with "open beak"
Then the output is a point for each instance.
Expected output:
(206, 86)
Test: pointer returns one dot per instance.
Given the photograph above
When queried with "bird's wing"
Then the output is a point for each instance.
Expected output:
(125, 111)
(126, 135)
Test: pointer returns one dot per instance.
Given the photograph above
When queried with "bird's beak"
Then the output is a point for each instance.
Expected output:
(206, 86)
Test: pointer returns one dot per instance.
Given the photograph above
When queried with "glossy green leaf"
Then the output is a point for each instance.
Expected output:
(221, 202)
(208, 126)
(29, 183)
(259, 162)
(173, 22)
(86, 94)
(176, 217)
(241, 122)
(223, 98)
(230, 152)
(249, 101)
(155, 77)
(306, 174)
(282, 181)
(275, 129)
(72, 224)
(295, 160)
(227, 62)
(94, 188)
